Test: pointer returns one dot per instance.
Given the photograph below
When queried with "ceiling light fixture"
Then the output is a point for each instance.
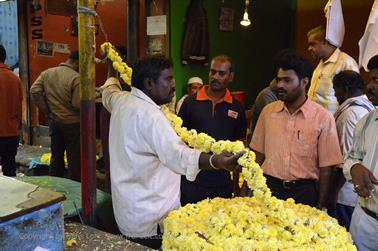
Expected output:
(245, 21)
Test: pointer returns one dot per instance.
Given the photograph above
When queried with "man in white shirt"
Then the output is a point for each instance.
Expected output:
(361, 167)
(354, 104)
(146, 155)
(194, 84)
(332, 61)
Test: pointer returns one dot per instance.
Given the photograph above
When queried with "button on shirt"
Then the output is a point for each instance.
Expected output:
(347, 116)
(146, 161)
(296, 145)
(365, 152)
(321, 89)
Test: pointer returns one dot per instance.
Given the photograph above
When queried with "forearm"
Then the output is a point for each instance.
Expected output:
(325, 177)
(204, 161)
(41, 103)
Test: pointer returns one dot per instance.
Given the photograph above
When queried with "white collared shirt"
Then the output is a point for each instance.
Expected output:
(365, 152)
(347, 116)
(321, 89)
(146, 161)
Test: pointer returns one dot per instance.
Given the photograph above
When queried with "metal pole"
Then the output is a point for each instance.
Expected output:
(87, 109)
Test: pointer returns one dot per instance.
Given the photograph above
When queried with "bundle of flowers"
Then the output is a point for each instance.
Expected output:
(245, 223)
(262, 222)
(121, 67)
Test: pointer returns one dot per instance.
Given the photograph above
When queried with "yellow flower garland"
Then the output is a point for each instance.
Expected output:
(262, 222)
(121, 67)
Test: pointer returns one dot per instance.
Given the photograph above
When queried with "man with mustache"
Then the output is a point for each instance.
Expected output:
(295, 139)
(331, 61)
(147, 157)
(361, 167)
(212, 110)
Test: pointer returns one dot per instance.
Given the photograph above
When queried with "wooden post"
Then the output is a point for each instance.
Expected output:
(132, 30)
(87, 106)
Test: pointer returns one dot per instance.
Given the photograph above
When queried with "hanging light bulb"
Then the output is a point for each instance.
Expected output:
(245, 21)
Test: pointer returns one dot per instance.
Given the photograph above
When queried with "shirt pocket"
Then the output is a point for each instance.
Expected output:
(305, 144)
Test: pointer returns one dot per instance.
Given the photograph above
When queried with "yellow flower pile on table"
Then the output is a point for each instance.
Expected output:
(262, 222)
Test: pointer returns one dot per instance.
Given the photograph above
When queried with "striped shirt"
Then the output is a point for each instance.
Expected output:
(321, 89)
(365, 152)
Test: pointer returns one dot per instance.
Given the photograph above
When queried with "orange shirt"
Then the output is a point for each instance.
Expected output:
(10, 102)
(296, 145)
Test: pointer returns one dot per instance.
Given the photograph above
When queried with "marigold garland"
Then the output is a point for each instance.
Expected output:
(121, 67)
(262, 222)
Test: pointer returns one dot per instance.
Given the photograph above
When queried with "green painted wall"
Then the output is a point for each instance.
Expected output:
(252, 48)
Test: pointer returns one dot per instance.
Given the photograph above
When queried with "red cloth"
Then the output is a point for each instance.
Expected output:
(10, 102)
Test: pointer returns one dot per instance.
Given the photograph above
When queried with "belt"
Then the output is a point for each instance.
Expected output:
(370, 213)
(290, 184)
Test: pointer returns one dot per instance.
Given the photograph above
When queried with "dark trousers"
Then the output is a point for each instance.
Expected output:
(343, 214)
(65, 137)
(302, 191)
(193, 193)
(8, 151)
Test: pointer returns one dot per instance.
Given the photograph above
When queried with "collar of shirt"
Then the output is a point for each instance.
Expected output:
(306, 108)
(361, 100)
(2, 65)
(139, 94)
(333, 58)
(67, 65)
(202, 95)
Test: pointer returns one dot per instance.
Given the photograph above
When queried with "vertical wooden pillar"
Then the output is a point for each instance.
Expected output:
(132, 30)
(87, 112)
(23, 53)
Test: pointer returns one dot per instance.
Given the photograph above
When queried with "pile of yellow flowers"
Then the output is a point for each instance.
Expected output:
(262, 222)
(121, 67)
(245, 223)
(46, 158)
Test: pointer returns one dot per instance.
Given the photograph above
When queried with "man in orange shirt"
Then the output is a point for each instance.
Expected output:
(10, 110)
(295, 139)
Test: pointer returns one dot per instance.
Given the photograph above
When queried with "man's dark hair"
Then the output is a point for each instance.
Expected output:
(289, 59)
(122, 52)
(319, 33)
(350, 81)
(373, 63)
(225, 58)
(3, 53)
(74, 56)
(149, 67)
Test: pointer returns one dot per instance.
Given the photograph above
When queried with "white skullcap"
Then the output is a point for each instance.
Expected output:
(193, 80)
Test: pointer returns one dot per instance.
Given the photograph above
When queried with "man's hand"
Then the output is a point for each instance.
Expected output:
(227, 161)
(363, 180)
(245, 191)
